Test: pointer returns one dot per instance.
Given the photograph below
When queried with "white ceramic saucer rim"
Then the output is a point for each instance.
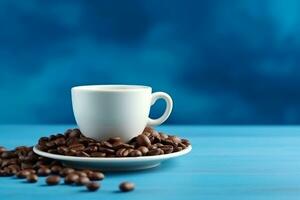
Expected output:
(126, 159)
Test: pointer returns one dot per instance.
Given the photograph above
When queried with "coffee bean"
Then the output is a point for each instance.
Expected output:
(60, 141)
(77, 147)
(81, 173)
(175, 139)
(114, 140)
(98, 154)
(143, 149)
(62, 150)
(82, 181)
(53, 180)
(66, 171)
(167, 149)
(126, 186)
(32, 178)
(143, 140)
(96, 176)
(135, 153)
(2, 149)
(74, 133)
(43, 171)
(155, 152)
(106, 150)
(148, 129)
(91, 149)
(163, 136)
(92, 186)
(106, 144)
(55, 169)
(71, 178)
(23, 173)
(73, 143)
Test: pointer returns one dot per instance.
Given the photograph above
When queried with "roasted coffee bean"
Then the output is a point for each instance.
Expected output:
(71, 178)
(60, 141)
(43, 171)
(62, 150)
(175, 139)
(73, 143)
(181, 145)
(106, 144)
(74, 133)
(14, 168)
(135, 153)
(143, 140)
(66, 171)
(126, 186)
(23, 173)
(98, 154)
(106, 150)
(176, 149)
(155, 152)
(55, 169)
(32, 178)
(163, 136)
(82, 181)
(185, 142)
(91, 149)
(167, 149)
(96, 176)
(148, 129)
(114, 140)
(92, 186)
(53, 180)
(143, 149)
(77, 147)
(126, 152)
(8, 172)
(2, 149)
(50, 144)
(82, 154)
(81, 173)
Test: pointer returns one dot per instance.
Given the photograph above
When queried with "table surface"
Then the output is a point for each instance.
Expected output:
(227, 162)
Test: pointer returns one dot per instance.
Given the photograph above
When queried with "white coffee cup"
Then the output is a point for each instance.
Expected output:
(104, 111)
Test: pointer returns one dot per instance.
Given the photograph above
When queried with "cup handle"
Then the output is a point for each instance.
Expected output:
(169, 106)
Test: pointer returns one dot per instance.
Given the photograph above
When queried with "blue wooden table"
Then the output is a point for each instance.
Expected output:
(227, 162)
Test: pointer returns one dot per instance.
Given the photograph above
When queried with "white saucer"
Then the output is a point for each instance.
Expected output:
(113, 164)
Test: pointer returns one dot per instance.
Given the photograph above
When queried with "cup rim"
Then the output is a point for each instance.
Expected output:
(111, 88)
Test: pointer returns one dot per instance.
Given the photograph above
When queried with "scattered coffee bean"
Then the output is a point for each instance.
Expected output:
(81, 174)
(53, 180)
(71, 178)
(43, 171)
(126, 186)
(2, 149)
(55, 169)
(66, 171)
(32, 178)
(24, 163)
(92, 186)
(82, 181)
(23, 173)
(96, 176)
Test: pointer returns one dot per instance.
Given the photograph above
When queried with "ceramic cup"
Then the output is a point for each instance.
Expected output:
(104, 111)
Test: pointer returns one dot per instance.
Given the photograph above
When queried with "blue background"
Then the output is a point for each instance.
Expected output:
(223, 62)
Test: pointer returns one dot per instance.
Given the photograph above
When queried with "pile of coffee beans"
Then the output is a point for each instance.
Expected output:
(23, 163)
(149, 143)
